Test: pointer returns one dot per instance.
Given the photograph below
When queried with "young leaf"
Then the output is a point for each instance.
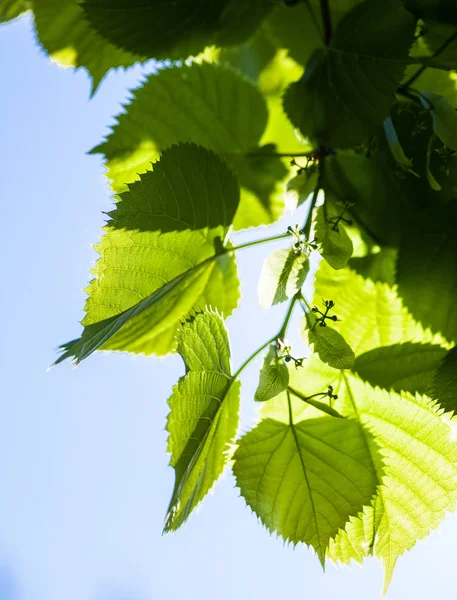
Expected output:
(408, 367)
(174, 30)
(395, 146)
(274, 376)
(157, 257)
(347, 89)
(444, 117)
(203, 415)
(328, 344)
(427, 269)
(283, 274)
(69, 40)
(420, 473)
(304, 480)
(445, 382)
(223, 112)
(300, 187)
(11, 9)
(332, 239)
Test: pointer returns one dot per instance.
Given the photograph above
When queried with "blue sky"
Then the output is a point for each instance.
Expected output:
(83, 466)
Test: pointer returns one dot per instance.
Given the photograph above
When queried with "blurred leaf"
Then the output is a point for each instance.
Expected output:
(203, 415)
(174, 30)
(70, 41)
(300, 187)
(11, 9)
(444, 117)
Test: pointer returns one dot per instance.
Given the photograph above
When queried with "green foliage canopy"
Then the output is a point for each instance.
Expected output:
(346, 109)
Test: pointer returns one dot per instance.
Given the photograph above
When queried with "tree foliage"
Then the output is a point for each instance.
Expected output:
(346, 108)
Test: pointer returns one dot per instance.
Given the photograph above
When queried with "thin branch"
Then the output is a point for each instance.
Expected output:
(326, 21)
(273, 238)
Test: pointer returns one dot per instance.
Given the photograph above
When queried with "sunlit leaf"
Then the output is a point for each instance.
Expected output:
(329, 345)
(157, 257)
(283, 274)
(332, 239)
(305, 479)
(444, 117)
(203, 414)
(445, 382)
(210, 105)
(274, 376)
(70, 41)
(409, 367)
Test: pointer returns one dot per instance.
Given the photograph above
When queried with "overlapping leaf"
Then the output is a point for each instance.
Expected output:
(369, 314)
(203, 414)
(69, 40)
(174, 29)
(427, 261)
(11, 9)
(305, 479)
(406, 367)
(157, 257)
(347, 89)
(328, 344)
(332, 239)
(210, 105)
(444, 388)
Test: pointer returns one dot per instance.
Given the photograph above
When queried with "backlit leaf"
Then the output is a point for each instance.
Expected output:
(203, 414)
(445, 383)
(283, 274)
(332, 239)
(157, 257)
(274, 376)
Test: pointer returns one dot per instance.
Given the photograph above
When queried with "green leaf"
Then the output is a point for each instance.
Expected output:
(157, 257)
(370, 314)
(11, 9)
(203, 415)
(408, 367)
(283, 274)
(304, 480)
(274, 376)
(419, 484)
(427, 269)
(70, 41)
(347, 89)
(328, 344)
(444, 117)
(332, 239)
(206, 104)
(384, 195)
(250, 58)
(439, 10)
(300, 187)
(379, 267)
(445, 382)
(395, 146)
(174, 29)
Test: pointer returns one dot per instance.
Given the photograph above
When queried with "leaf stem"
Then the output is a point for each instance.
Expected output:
(273, 238)
(326, 21)
(309, 216)
(281, 334)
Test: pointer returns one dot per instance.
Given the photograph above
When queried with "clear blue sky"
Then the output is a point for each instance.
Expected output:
(83, 468)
